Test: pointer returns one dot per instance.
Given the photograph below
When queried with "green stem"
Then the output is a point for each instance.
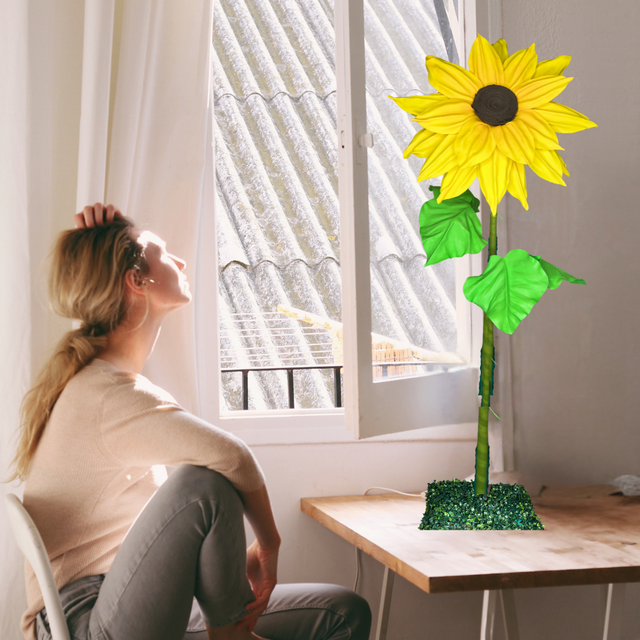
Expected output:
(481, 482)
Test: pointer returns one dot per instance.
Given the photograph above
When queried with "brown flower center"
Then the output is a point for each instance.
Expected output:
(495, 105)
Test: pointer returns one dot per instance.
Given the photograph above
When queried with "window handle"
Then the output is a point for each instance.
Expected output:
(366, 140)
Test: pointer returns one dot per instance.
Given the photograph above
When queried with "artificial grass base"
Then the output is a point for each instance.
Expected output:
(453, 504)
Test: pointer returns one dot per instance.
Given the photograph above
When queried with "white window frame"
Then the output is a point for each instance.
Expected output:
(370, 409)
(404, 404)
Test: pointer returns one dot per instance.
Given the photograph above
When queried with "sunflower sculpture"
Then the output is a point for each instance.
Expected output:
(487, 123)
(490, 121)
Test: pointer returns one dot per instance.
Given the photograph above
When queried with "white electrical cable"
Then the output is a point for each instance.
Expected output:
(422, 494)
(402, 493)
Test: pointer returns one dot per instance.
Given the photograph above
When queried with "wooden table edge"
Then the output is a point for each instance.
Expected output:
(517, 580)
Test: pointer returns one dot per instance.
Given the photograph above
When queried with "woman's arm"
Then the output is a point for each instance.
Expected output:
(258, 511)
(262, 555)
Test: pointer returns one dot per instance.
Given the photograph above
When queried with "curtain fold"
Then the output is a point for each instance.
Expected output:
(207, 330)
(102, 100)
(157, 153)
(94, 109)
(14, 286)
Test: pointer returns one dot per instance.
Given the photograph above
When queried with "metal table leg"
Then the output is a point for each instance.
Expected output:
(488, 614)
(613, 605)
(509, 617)
(385, 604)
(511, 631)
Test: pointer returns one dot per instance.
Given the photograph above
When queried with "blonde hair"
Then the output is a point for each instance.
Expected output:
(86, 282)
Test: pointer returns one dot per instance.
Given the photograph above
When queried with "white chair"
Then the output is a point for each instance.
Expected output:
(30, 543)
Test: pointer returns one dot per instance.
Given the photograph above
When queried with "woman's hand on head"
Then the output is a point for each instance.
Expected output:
(96, 216)
(262, 570)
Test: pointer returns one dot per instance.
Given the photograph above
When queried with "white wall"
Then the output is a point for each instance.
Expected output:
(311, 553)
(578, 354)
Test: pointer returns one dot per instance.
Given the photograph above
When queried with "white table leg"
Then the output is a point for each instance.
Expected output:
(488, 614)
(509, 618)
(613, 605)
(511, 631)
(385, 604)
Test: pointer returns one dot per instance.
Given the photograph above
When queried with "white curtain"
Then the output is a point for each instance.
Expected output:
(105, 100)
(14, 285)
(157, 152)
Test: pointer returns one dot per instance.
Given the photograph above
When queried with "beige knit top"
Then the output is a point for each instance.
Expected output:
(100, 460)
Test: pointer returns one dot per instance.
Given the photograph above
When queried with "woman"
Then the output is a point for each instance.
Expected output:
(95, 434)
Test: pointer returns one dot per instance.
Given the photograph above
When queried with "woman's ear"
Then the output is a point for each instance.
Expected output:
(135, 283)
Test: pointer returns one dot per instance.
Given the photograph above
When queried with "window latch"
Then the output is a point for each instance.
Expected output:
(366, 140)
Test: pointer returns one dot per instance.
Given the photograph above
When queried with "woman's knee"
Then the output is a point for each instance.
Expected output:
(193, 483)
(317, 610)
(356, 611)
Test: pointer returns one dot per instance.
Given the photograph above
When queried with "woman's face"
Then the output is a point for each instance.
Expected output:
(166, 282)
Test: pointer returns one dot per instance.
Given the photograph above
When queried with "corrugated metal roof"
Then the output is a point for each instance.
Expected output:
(277, 187)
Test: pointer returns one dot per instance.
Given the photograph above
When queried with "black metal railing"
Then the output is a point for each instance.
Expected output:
(336, 376)
(337, 396)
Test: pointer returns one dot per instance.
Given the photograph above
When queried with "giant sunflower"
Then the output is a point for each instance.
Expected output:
(488, 122)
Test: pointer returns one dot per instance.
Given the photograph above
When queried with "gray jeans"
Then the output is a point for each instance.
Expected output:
(183, 565)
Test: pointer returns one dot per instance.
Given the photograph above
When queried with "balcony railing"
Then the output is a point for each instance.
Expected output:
(285, 339)
(337, 377)
(289, 369)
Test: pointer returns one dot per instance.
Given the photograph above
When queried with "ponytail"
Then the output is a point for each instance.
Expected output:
(87, 282)
(75, 350)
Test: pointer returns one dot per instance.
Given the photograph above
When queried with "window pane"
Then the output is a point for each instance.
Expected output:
(277, 196)
(277, 201)
(413, 307)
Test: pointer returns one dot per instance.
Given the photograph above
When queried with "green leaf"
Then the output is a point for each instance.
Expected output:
(467, 196)
(508, 288)
(450, 229)
(557, 276)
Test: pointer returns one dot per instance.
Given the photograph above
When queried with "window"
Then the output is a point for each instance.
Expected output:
(289, 228)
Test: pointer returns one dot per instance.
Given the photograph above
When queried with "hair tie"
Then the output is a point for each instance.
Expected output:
(92, 330)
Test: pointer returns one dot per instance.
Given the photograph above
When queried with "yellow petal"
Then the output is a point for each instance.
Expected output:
(564, 166)
(514, 142)
(552, 67)
(563, 119)
(423, 143)
(474, 143)
(539, 91)
(485, 63)
(494, 177)
(520, 67)
(545, 137)
(417, 104)
(446, 117)
(442, 159)
(518, 183)
(457, 181)
(548, 165)
(501, 49)
(422, 136)
(528, 141)
(452, 80)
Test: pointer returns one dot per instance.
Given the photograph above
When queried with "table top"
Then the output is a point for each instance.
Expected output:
(590, 537)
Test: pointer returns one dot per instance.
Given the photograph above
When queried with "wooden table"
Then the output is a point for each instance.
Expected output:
(590, 537)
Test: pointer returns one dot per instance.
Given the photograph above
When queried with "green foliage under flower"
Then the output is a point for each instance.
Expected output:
(453, 504)
(557, 276)
(452, 228)
(511, 285)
